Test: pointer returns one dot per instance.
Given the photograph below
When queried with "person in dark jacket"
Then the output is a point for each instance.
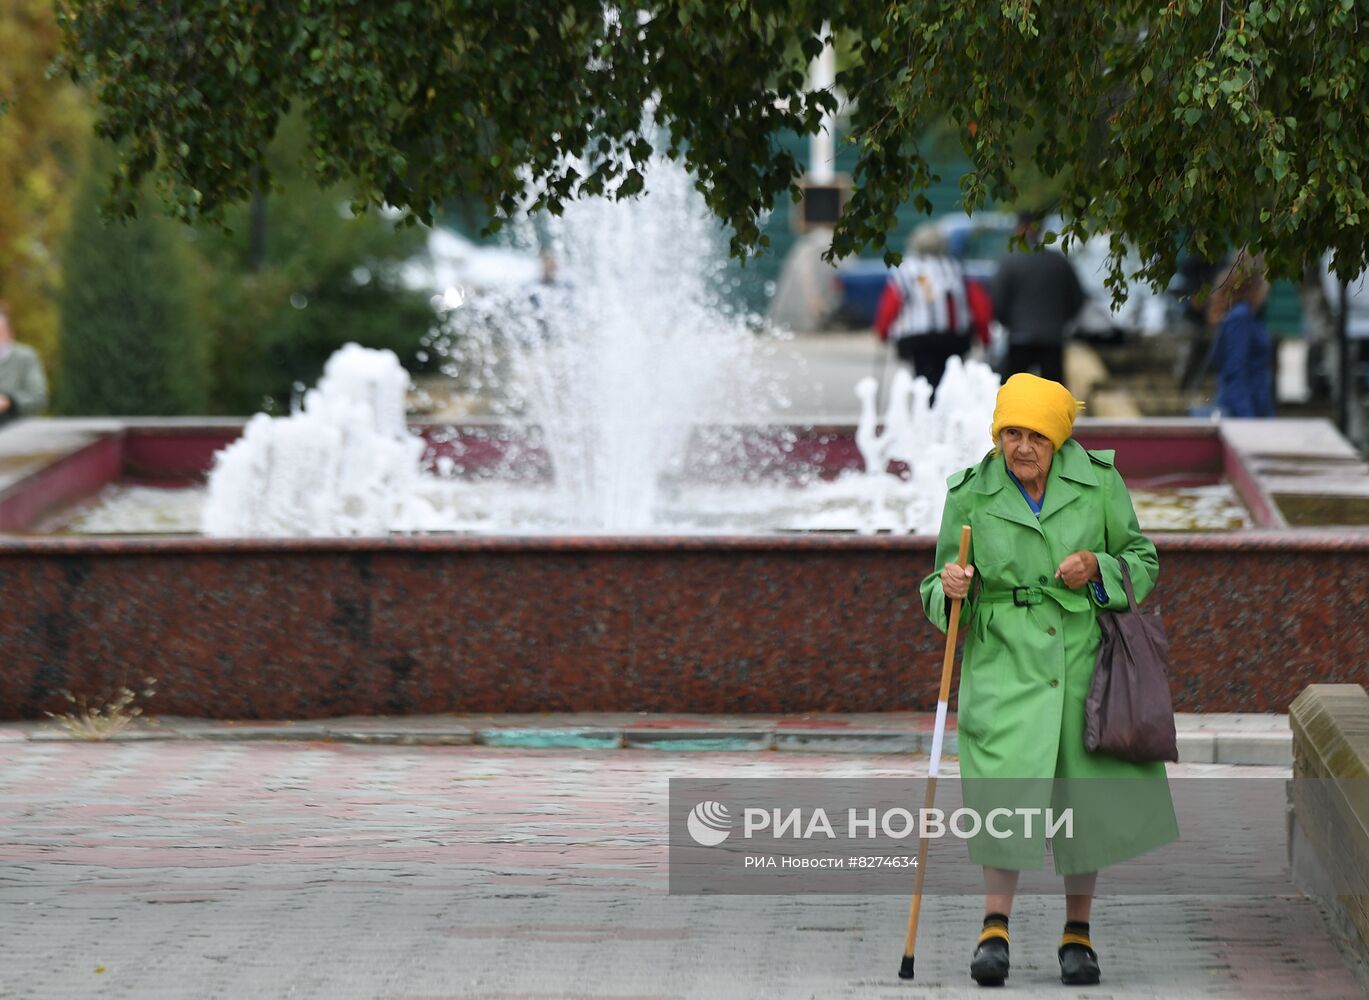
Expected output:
(1197, 276)
(1244, 352)
(1036, 295)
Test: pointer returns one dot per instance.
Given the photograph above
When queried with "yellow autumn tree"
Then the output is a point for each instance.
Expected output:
(44, 129)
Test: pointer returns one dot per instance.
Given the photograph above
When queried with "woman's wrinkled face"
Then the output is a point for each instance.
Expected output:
(1028, 453)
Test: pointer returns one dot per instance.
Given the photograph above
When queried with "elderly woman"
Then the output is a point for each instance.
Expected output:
(1051, 525)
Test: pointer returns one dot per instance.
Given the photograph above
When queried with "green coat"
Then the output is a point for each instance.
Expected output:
(1026, 666)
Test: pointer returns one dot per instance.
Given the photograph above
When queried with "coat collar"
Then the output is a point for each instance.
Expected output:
(1070, 465)
(1074, 463)
(1007, 502)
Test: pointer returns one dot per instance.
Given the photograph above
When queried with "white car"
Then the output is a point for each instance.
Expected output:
(1142, 312)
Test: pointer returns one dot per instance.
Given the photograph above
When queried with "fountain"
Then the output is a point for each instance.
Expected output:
(631, 530)
(345, 464)
(623, 361)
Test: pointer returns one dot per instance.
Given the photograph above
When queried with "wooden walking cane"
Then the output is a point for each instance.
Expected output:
(905, 970)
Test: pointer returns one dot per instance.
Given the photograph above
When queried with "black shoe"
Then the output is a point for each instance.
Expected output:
(989, 967)
(1078, 965)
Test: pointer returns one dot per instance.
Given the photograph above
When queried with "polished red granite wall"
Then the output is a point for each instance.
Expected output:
(789, 624)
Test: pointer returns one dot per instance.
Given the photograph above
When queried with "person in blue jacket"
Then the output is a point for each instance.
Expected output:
(1243, 354)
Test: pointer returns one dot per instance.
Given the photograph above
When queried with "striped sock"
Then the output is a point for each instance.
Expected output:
(1076, 932)
(995, 926)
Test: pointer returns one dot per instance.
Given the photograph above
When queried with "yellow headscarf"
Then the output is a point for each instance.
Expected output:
(1038, 404)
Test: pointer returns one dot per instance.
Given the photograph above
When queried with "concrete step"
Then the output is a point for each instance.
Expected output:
(1222, 738)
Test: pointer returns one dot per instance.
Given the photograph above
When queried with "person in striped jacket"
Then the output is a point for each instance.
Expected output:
(928, 309)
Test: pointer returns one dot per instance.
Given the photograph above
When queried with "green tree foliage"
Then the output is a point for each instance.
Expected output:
(128, 342)
(413, 102)
(1240, 122)
(319, 279)
(44, 128)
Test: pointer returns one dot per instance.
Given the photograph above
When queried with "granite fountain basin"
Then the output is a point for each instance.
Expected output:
(699, 622)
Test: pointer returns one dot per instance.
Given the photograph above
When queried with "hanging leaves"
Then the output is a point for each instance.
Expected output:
(1209, 125)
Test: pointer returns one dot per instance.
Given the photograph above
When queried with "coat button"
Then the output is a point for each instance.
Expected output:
(1042, 579)
(1055, 684)
(1051, 630)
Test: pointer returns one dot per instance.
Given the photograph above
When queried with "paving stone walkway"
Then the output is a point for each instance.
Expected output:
(309, 870)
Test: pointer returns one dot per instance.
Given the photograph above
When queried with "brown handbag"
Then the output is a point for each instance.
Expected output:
(1128, 712)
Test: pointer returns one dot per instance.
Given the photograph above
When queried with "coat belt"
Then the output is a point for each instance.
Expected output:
(1029, 596)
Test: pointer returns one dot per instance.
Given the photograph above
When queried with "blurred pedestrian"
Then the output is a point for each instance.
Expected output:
(926, 309)
(1243, 354)
(549, 297)
(1320, 326)
(1036, 296)
(23, 387)
(1354, 301)
(1197, 275)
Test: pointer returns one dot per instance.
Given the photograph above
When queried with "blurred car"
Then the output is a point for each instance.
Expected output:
(979, 241)
(1144, 312)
